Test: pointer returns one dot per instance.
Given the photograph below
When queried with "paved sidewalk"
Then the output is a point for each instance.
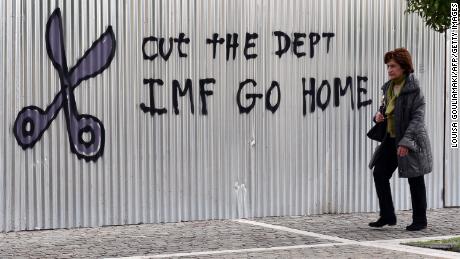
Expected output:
(322, 236)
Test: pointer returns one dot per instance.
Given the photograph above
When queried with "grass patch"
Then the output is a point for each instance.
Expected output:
(452, 244)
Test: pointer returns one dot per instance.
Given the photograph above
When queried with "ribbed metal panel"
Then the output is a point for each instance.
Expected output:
(225, 164)
(452, 159)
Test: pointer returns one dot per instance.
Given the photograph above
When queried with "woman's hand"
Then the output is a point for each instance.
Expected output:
(402, 151)
(379, 117)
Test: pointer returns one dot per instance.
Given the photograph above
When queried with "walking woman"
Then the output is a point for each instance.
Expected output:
(406, 144)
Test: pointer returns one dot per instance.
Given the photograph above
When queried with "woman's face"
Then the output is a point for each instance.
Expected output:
(394, 70)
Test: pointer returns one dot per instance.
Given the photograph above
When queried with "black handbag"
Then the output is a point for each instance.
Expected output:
(379, 130)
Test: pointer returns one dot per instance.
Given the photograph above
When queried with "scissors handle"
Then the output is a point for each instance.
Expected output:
(32, 122)
(86, 135)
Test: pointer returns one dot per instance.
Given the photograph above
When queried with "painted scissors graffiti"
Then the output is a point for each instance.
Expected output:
(86, 132)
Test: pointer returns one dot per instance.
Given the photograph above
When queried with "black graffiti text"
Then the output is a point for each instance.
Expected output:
(252, 97)
(298, 40)
(321, 96)
(164, 49)
(178, 92)
(232, 43)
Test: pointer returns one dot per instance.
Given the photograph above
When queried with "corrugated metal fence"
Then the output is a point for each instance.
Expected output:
(223, 164)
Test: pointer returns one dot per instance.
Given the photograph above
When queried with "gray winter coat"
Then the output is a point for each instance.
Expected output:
(410, 129)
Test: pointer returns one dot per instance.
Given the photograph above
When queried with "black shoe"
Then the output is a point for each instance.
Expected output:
(416, 226)
(382, 222)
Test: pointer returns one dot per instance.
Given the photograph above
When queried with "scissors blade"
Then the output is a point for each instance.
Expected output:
(54, 37)
(95, 60)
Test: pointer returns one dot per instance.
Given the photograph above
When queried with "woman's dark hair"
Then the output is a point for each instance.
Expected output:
(402, 57)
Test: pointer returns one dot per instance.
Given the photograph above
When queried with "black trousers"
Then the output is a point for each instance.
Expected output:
(383, 171)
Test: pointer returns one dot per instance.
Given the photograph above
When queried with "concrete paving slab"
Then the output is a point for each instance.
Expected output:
(355, 226)
(146, 239)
